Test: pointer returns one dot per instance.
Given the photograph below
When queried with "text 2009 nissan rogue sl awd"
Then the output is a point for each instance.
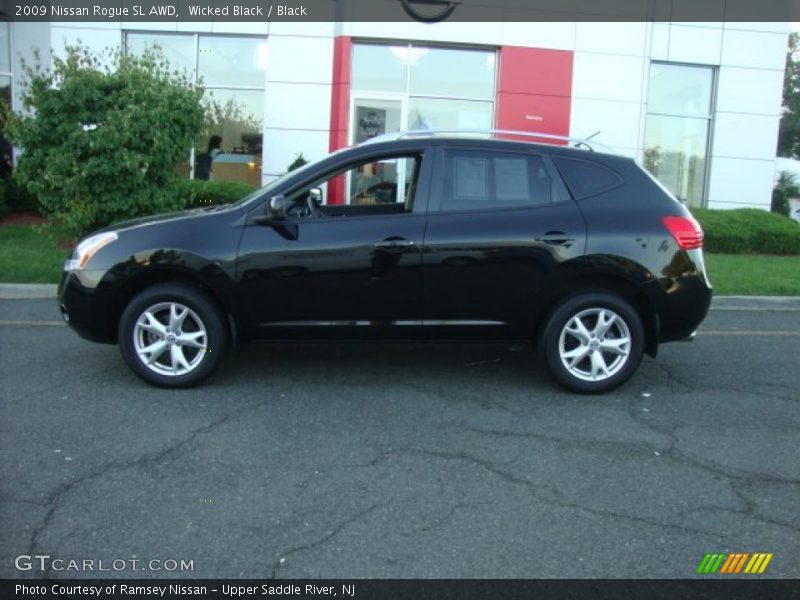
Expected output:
(415, 235)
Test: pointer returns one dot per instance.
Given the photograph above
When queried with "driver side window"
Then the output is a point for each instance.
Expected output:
(385, 185)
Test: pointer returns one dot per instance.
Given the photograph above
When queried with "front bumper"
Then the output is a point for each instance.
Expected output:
(86, 306)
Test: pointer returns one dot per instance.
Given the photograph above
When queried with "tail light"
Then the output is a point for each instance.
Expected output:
(685, 230)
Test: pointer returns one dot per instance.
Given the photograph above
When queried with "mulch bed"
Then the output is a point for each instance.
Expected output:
(33, 218)
(22, 218)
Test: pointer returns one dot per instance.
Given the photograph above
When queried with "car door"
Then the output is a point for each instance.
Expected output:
(500, 223)
(352, 268)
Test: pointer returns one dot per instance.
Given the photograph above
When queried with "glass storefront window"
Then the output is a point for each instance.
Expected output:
(232, 61)
(5, 89)
(6, 81)
(436, 113)
(680, 90)
(179, 50)
(411, 87)
(5, 46)
(379, 68)
(232, 69)
(679, 116)
(454, 73)
(376, 117)
(675, 152)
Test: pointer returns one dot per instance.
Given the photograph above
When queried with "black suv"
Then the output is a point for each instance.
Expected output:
(410, 236)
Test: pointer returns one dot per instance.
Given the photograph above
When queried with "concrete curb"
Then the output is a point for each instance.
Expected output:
(779, 303)
(23, 291)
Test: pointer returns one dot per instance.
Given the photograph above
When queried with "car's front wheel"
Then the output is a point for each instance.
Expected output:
(172, 335)
(593, 342)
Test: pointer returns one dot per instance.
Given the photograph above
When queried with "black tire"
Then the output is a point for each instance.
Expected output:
(587, 308)
(202, 345)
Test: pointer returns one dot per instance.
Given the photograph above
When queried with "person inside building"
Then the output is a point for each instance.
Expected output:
(202, 167)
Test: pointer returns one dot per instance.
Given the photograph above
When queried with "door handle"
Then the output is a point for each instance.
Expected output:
(556, 238)
(394, 244)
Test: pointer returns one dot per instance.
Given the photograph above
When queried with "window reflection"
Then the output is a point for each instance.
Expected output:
(429, 113)
(410, 87)
(675, 152)
(232, 71)
(237, 117)
(177, 49)
(678, 121)
(680, 90)
(237, 61)
(379, 68)
(459, 73)
(5, 46)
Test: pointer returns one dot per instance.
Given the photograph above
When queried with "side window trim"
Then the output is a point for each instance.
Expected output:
(562, 190)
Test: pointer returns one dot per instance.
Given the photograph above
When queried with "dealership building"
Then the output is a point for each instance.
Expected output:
(696, 103)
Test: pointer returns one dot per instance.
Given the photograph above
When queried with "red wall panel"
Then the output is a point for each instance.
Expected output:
(534, 90)
(340, 108)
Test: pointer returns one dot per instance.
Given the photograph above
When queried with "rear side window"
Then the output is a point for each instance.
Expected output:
(476, 180)
(585, 178)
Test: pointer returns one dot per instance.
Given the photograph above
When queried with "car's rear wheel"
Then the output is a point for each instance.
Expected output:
(172, 335)
(593, 342)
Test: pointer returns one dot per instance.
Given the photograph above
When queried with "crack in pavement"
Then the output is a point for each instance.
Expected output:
(560, 501)
(325, 538)
(562, 441)
(444, 519)
(671, 377)
(55, 500)
(734, 479)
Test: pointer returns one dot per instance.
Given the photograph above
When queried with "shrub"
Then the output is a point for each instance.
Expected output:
(299, 161)
(196, 192)
(785, 188)
(748, 230)
(101, 143)
(19, 198)
(4, 207)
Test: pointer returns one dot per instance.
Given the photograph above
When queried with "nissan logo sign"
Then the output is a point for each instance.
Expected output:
(440, 11)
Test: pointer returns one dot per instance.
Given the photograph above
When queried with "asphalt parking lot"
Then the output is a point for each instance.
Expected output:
(402, 461)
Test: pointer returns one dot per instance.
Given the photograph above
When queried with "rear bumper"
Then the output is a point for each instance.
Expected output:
(682, 305)
(85, 306)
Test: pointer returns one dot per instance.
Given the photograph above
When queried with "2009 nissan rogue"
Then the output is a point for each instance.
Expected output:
(410, 236)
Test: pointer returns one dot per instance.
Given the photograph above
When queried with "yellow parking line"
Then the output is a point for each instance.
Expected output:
(31, 323)
(746, 332)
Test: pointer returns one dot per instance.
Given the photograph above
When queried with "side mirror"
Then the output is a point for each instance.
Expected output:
(315, 196)
(278, 205)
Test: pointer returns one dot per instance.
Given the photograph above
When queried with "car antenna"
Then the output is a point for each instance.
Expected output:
(581, 142)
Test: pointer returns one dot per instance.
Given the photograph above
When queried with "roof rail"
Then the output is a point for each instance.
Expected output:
(423, 133)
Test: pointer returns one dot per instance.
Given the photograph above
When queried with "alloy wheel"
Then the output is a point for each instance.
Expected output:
(594, 344)
(170, 339)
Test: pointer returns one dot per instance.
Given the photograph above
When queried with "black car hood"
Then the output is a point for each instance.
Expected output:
(168, 217)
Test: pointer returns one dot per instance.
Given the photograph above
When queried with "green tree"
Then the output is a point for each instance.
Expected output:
(101, 138)
(785, 189)
(789, 134)
(226, 119)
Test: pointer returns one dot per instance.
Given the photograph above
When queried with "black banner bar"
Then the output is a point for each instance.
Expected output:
(401, 589)
(400, 10)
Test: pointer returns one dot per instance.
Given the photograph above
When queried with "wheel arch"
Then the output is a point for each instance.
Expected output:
(609, 283)
(150, 277)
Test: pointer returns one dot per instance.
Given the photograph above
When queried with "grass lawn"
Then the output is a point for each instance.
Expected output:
(754, 274)
(27, 256)
(30, 257)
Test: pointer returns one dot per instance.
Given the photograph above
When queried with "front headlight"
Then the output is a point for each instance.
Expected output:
(84, 251)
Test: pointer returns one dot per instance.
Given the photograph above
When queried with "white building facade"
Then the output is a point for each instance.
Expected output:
(696, 103)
